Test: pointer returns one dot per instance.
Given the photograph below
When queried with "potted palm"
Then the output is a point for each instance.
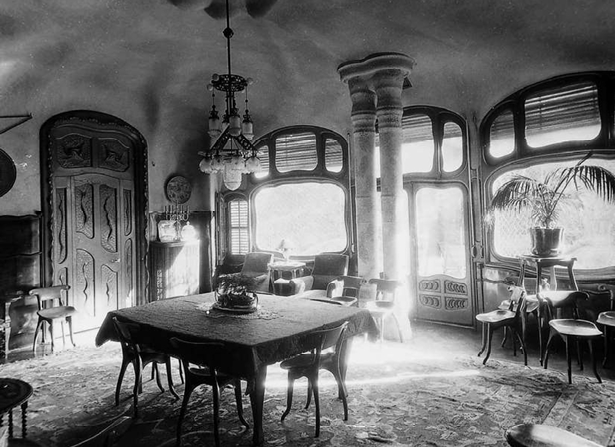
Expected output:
(545, 198)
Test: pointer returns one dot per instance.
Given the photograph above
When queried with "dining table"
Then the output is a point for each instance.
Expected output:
(279, 328)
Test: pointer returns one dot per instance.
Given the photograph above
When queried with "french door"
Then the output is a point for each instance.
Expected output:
(441, 273)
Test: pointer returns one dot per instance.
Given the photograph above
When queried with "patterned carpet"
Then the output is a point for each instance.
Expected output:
(395, 396)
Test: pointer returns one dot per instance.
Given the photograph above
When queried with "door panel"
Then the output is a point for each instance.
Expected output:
(439, 223)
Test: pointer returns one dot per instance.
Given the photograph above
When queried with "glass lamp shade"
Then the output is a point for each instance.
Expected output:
(232, 178)
(205, 166)
(234, 125)
(247, 129)
(217, 164)
(237, 163)
(253, 164)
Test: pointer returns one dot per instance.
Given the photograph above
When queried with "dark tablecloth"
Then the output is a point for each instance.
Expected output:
(252, 342)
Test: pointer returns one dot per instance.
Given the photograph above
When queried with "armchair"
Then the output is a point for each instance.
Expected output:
(255, 265)
(323, 280)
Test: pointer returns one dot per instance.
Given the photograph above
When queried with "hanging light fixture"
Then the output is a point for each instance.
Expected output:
(231, 151)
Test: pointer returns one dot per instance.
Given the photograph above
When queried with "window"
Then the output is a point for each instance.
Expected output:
(568, 113)
(239, 236)
(589, 227)
(310, 214)
(296, 152)
(502, 135)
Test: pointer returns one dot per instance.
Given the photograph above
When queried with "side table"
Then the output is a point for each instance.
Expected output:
(14, 393)
(548, 262)
(281, 274)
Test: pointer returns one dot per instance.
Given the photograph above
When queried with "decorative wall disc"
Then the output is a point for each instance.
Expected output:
(178, 189)
(8, 173)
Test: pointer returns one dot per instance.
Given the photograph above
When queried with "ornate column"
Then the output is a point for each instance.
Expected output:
(382, 76)
(366, 207)
(388, 85)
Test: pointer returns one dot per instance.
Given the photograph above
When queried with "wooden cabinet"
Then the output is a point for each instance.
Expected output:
(174, 269)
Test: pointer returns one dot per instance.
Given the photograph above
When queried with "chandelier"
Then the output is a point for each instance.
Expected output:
(231, 151)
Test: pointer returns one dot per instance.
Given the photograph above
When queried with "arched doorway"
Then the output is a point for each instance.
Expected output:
(94, 194)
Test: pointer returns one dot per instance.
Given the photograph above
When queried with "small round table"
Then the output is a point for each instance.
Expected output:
(14, 393)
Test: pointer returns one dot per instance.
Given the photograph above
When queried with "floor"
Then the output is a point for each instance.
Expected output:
(429, 338)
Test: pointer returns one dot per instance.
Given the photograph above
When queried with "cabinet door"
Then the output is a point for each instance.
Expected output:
(174, 269)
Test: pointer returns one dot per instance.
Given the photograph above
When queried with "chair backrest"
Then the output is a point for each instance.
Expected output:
(328, 267)
(329, 338)
(256, 263)
(518, 300)
(44, 294)
(385, 288)
(352, 285)
(197, 353)
(128, 333)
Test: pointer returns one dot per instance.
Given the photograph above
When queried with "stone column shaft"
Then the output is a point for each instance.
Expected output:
(364, 157)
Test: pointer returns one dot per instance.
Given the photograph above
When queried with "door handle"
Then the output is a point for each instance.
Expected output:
(115, 261)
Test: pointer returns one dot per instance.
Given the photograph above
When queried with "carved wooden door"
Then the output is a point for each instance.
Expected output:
(93, 247)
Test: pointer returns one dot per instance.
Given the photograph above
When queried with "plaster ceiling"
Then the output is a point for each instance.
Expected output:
(149, 61)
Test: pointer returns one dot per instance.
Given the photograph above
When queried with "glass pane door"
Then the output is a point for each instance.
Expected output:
(439, 221)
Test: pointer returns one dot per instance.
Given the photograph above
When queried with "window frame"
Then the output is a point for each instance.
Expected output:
(524, 156)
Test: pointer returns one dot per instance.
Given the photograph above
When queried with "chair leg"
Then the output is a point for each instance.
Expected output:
(399, 334)
(135, 392)
(157, 374)
(484, 339)
(39, 328)
(181, 370)
(119, 381)
(316, 404)
(309, 396)
(522, 341)
(590, 343)
(170, 378)
(238, 399)
(51, 334)
(182, 412)
(69, 320)
(341, 391)
(216, 393)
(545, 360)
(568, 359)
(606, 347)
(289, 397)
(489, 337)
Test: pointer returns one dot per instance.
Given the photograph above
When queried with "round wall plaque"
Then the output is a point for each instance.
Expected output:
(178, 189)
(8, 173)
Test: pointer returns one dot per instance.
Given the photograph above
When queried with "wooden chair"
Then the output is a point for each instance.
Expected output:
(198, 360)
(109, 435)
(139, 355)
(575, 330)
(51, 308)
(384, 305)
(510, 318)
(308, 365)
(538, 435)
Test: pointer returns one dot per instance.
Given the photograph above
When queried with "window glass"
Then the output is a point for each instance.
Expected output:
(310, 214)
(238, 226)
(263, 156)
(589, 227)
(561, 114)
(452, 147)
(502, 135)
(333, 156)
(440, 232)
(418, 145)
(296, 152)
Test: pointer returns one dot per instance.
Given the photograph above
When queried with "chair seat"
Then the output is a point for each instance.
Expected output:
(606, 318)
(496, 316)
(380, 305)
(536, 435)
(52, 313)
(575, 328)
(298, 361)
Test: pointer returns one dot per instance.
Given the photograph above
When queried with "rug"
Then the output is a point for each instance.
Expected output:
(396, 397)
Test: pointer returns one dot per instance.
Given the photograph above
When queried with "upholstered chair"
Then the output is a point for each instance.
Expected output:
(322, 282)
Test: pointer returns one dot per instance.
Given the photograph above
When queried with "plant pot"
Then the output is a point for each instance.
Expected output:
(546, 241)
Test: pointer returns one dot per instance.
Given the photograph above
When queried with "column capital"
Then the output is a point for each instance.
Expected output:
(375, 63)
